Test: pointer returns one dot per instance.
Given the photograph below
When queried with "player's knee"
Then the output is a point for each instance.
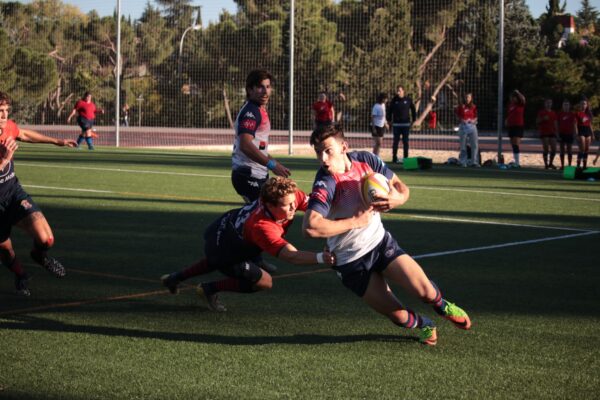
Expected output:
(265, 282)
(44, 243)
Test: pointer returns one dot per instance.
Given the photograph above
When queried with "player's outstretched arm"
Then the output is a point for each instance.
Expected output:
(316, 225)
(7, 151)
(399, 194)
(29, 136)
(292, 255)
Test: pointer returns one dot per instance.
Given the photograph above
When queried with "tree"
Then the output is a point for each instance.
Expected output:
(587, 17)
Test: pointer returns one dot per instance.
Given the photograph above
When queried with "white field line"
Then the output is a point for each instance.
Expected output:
(139, 171)
(69, 189)
(472, 221)
(501, 245)
(503, 193)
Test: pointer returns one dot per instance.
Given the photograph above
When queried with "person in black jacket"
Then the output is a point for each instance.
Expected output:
(401, 115)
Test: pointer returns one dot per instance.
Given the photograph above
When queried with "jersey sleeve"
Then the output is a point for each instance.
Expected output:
(301, 200)
(249, 121)
(268, 236)
(322, 193)
(376, 164)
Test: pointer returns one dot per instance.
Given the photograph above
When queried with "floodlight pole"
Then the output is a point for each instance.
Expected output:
(196, 26)
(118, 75)
(500, 79)
(291, 83)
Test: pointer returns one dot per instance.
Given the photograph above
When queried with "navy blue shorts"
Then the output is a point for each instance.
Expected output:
(13, 208)
(584, 131)
(515, 131)
(227, 253)
(85, 124)
(567, 139)
(246, 185)
(356, 274)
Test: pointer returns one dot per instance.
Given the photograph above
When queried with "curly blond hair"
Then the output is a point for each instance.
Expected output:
(275, 188)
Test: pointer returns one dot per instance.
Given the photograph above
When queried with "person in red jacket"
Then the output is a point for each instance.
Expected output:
(323, 111)
(86, 110)
(515, 123)
(585, 134)
(567, 130)
(546, 122)
(17, 208)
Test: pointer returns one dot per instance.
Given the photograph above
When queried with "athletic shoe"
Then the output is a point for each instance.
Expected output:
(428, 335)
(21, 283)
(54, 266)
(457, 316)
(171, 282)
(212, 300)
(270, 268)
(552, 166)
(91, 148)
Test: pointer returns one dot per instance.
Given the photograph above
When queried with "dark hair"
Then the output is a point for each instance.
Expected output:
(323, 133)
(255, 77)
(86, 94)
(275, 188)
(381, 97)
(4, 99)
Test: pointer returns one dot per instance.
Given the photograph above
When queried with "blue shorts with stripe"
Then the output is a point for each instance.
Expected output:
(15, 206)
(356, 274)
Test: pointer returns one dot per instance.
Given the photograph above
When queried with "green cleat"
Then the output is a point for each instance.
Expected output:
(428, 335)
(457, 316)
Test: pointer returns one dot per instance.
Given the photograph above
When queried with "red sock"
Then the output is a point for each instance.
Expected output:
(199, 268)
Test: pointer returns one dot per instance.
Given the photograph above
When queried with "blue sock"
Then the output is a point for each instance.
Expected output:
(438, 302)
(415, 321)
(89, 142)
(79, 140)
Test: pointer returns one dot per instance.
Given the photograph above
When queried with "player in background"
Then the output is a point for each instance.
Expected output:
(251, 160)
(467, 131)
(323, 111)
(585, 133)
(515, 123)
(239, 236)
(367, 257)
(401, 114)
(17, 208)
(567, 130)
(86, 118)
(547, 124)
(379, 123)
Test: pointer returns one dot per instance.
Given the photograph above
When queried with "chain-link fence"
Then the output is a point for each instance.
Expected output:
(182, 78)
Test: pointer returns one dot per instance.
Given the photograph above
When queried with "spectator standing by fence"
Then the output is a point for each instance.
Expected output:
(585, 133)
(515, 124)
(323, 111)
(401, 114)
(467, 132)
(567, 130)
(546, 122)
(378, 122)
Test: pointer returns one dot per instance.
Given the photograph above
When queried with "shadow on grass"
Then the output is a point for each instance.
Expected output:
(29, 323)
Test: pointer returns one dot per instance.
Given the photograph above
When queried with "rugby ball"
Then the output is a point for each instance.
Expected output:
(374, 185)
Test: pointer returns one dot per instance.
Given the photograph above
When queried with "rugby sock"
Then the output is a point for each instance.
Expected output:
(89, 142)
(79, 140)
(415, 320)
(16, 267)
(39, 251)
(516, 153)
(199, 268)
(579, 156)
(570, 158)
(584, 157)
(228, 285)
(562, 158)
(438, 302)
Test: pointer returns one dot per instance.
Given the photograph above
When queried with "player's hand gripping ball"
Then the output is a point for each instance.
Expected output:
(374, 185)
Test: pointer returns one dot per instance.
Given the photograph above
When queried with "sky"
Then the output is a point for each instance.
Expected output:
(212, 8)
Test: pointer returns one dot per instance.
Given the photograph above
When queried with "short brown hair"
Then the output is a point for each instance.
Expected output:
(255, 77)
(4, 99)
(276, 188)
(323, 133)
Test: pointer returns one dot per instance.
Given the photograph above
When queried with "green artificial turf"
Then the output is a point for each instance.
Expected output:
(516, 249)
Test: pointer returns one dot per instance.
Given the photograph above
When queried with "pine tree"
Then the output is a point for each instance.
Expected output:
(587, 17)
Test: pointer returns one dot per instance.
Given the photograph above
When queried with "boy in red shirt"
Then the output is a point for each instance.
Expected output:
(567, 129)
(87, 111)
(546, 122)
